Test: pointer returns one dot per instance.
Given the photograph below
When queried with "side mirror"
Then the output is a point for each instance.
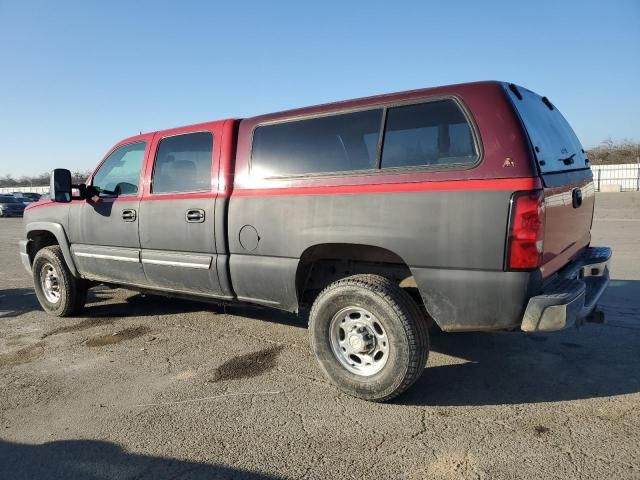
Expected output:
(60, 188)
(90, 191)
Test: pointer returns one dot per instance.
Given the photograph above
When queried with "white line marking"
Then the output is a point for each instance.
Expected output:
(596, 219)
(204, 399)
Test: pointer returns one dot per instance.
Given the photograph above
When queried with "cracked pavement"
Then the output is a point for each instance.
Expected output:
(145, 387)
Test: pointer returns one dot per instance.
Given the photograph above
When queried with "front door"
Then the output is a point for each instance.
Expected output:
(177, 236)
(105, 241)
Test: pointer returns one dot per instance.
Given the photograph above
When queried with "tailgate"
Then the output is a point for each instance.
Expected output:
(567, 228)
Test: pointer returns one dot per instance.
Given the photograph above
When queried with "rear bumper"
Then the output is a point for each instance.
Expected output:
(572, 295)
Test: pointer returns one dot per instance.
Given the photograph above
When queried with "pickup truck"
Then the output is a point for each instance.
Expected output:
(468, 206)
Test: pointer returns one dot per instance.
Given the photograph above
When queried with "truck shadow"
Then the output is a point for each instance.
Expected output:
(16, 301)
(143, 305)
(93, 460)
(506, 368)
(102, 307)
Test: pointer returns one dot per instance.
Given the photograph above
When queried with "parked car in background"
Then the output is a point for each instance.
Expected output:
(34, 197)
(10, 206)
(27, 197)
(21, 198)
(467, 205)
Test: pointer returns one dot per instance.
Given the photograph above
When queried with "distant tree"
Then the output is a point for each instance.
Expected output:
(8, 181)
(80, 176)
(41, 180)
(610, 152)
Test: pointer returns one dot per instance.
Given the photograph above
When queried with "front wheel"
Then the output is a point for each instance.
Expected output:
(58, 291)
(369, 337)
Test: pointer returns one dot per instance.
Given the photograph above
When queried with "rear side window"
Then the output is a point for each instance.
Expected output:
(556, 145)
(435, 133)
(183, 164)
(335, 143)
(119, 174)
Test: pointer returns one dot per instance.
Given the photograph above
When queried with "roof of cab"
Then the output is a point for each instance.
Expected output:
(193, 126)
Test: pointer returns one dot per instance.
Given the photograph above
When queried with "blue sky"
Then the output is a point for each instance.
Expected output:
(75, 77)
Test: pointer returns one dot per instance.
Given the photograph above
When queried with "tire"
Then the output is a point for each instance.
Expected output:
(345, 316)
(62, 294)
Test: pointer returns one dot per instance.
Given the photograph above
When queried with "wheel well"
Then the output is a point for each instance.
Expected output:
(323, 264)
(38, 240)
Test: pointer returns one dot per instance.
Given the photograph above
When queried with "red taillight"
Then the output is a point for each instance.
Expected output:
(526, 231)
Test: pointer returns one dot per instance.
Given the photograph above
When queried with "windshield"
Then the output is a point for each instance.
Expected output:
(8, 200)
(556, 146)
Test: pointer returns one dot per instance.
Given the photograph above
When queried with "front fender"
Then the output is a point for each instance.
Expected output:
(58, 231)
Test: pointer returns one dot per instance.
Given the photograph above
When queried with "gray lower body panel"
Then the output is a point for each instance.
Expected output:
(111, 263)
(265, 280)
(473, 300)
(194, 272)
(24, 255)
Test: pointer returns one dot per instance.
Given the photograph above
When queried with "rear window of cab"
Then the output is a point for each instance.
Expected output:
(435, 134)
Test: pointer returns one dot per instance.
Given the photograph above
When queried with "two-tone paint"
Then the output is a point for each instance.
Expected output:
(446, 226)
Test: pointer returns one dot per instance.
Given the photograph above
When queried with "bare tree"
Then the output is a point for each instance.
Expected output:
(41, 180)
(610, 152)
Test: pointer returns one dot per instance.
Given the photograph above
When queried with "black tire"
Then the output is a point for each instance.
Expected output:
(403, 324)
(72, 291)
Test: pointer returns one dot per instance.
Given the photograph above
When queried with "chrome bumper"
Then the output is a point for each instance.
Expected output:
(572, 296)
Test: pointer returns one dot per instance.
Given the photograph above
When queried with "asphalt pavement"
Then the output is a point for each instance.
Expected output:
(146, 387)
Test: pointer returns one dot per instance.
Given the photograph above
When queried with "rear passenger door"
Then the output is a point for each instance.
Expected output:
(177, 213)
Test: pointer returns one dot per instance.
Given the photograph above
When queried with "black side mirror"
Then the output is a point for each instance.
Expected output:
(60, 185)
(90, 191)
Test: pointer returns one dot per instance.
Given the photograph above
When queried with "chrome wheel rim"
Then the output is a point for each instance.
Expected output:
(50, 283)
(359, 341)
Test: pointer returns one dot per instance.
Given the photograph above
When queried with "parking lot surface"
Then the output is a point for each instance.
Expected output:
(147, 387)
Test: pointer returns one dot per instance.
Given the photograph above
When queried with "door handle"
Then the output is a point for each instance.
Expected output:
(195, 215)
(129, 215)
(577, 198)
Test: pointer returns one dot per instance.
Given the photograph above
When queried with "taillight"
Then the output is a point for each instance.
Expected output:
(526, 231)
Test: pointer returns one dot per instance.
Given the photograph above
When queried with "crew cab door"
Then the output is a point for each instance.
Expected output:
(104, 228)
(177, 212)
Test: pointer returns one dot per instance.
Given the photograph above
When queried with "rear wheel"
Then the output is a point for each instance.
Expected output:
(58, 291)
(369, 337)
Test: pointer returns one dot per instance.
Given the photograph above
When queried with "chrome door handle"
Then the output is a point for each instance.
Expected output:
(195, 215)
(129, 215)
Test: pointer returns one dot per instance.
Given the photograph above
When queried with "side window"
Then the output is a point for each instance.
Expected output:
(334, 143)
(435, 133)
(183, 164)
(119, 174)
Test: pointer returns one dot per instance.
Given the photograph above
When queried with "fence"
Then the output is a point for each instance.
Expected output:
(624, 177)
(24, 189)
